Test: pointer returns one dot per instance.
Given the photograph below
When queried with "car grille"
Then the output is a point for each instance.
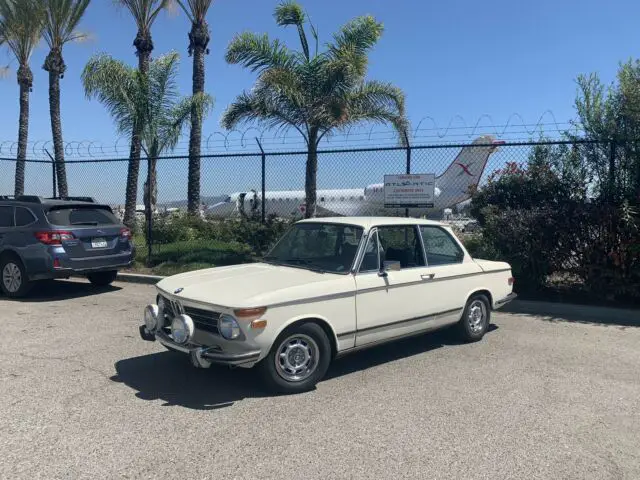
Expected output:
(203, 319)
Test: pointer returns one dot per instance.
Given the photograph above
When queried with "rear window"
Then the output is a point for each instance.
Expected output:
(77, 215)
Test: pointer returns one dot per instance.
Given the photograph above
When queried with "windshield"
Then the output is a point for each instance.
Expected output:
(320, 247)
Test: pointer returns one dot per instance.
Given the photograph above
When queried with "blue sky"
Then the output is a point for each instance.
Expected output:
(453, 58)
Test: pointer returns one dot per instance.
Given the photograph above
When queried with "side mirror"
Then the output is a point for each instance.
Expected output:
(389, 266)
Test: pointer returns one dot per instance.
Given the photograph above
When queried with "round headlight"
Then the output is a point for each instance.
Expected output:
(151, 317)
(182, 329)
(228, 327)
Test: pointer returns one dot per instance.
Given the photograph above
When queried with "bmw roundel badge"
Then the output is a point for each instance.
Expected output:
(178, 290)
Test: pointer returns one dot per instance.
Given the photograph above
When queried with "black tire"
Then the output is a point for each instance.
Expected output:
(270, 374)
(103, 279)
(472, 329)
(12, 265)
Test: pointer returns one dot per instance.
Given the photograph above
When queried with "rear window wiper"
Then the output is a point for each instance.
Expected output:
(85, 223)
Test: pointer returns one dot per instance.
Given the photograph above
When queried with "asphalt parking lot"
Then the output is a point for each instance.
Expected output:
(83, 397)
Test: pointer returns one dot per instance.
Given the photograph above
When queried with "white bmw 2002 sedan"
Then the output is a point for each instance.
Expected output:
(329, 287)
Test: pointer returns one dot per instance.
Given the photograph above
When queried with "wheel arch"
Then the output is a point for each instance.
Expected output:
(484, 292)
(318, 320)
(10, 253)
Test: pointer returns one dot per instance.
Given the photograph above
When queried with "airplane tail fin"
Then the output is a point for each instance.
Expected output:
(467, 168)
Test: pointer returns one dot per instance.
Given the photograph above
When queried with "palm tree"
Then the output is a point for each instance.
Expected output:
(62, 18)
(150, 101)
(144, 12)
(21, 23)
(317, 93)
(199, 38)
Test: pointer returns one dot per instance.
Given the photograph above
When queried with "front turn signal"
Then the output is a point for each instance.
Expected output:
(249, 313)
(258, 324)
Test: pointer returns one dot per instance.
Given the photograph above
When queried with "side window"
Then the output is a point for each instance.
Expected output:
(401, 244)
(371, 257)
(440, 247)
(24, 217)
(6, 217)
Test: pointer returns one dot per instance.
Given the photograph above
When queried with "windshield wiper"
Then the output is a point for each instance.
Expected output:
(294, 262)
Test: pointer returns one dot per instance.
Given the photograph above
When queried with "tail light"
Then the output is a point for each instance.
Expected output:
(54, 237)
(125, 234)
(511, 280)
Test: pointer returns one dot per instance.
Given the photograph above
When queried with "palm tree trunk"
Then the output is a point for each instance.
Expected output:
(199, 39)
(144, 47)
(310, 185)
(54, 64)
(25, 80)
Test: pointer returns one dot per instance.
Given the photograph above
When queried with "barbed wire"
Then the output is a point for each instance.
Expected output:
(426, 131)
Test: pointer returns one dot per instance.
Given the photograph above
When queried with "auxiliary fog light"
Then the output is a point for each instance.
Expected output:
(182, 329)
(151, 317)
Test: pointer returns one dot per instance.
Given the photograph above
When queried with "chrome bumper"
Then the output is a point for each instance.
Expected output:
(203, 356)
(502, 302)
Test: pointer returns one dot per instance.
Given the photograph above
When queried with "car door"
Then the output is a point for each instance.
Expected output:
(452, 274)
(397, 302)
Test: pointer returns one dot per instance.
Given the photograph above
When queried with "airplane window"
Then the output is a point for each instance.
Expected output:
(322, 199)
(361, 197)
(342, 199)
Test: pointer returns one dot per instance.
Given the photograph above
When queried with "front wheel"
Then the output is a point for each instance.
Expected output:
(102, 279)
(298, 359)
(475, 318)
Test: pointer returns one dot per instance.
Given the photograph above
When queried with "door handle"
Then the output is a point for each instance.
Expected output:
(429, 276)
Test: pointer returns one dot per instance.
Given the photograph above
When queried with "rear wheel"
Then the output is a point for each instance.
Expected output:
(475, 318)
(14, 280)
(102, 279)
(298, 359)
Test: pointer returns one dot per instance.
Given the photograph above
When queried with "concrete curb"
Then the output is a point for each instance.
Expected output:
(139, 278)
(574, 313)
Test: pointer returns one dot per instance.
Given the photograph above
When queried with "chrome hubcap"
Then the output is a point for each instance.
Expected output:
(297, 358)
(11, 277)
(477, 315)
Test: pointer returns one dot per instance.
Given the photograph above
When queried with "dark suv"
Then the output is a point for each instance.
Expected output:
(46, 238)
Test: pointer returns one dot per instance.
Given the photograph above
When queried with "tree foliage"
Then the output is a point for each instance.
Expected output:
(315, 93)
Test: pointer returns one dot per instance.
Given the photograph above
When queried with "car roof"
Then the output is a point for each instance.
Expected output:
(368, 222)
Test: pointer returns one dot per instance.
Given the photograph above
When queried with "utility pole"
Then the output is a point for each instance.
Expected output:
(264, 161)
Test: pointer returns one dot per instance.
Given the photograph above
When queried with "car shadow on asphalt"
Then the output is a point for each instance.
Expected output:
(61, 290)
(170, 377)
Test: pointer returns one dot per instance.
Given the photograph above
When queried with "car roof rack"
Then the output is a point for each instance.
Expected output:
(74, 199)
(22, 198)
(37, 199)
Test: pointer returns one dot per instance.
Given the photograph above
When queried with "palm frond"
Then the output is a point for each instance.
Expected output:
(175, 119)
(144, 12)
(257, 52)
(62, 17)
(355, 39)
(291, 13)
(21, 24)
(195, 10)
(117, 86)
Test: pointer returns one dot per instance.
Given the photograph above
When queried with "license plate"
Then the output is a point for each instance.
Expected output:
(98, 243)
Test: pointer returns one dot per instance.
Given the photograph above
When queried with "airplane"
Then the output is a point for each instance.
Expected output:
(451, 187)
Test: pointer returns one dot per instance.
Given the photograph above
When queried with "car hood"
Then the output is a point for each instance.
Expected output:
(252, 285)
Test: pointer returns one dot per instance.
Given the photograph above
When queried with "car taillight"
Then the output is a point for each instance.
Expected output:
(54, 238)
(125, 234)
(511, 280)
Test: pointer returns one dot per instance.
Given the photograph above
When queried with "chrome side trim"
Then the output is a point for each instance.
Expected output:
(435, 316)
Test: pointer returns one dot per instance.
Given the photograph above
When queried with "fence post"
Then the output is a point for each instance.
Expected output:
(612, 170)
(264, 186)
(150, 215)
(406, 139)
(53, 170)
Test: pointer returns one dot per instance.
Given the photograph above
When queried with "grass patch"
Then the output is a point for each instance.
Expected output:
(186, 256)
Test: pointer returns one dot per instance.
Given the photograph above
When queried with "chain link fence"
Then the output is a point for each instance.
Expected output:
(235, 187)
